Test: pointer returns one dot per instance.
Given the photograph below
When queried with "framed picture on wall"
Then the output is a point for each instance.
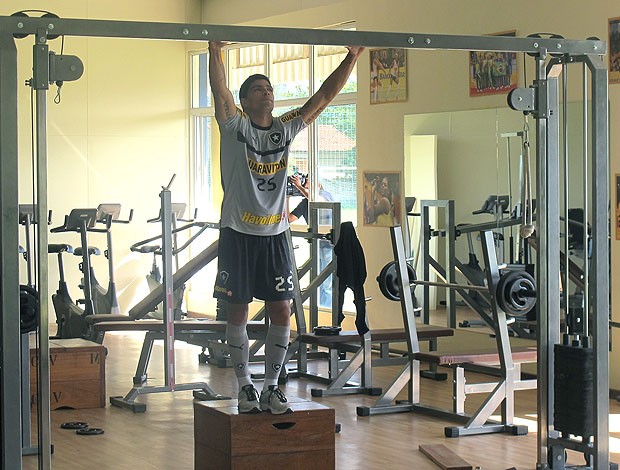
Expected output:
(614, 50)
(382, 198)
(490, 72)
(388, 75)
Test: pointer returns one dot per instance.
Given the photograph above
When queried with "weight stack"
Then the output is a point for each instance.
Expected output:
(573, 390)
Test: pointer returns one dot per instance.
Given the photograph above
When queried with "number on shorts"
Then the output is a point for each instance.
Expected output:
(283, 285)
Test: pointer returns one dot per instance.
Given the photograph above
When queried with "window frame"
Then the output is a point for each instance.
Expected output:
(209, 111)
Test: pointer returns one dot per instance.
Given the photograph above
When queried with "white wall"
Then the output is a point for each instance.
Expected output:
(118, 134)
(473, 157)
(420, 181)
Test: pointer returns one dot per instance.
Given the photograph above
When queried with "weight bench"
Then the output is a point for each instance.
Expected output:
(520, 355)
(501, 393)
(196, 332)
(361, 347)
(481, 361)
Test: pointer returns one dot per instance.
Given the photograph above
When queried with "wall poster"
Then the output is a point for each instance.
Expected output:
(614, 50)
(388, 75)
(382, 198)
(491, 72)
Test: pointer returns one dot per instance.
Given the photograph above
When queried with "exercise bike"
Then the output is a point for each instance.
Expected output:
(70, 317)
(106, 300)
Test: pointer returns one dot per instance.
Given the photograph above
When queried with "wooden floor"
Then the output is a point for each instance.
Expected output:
(162, 437)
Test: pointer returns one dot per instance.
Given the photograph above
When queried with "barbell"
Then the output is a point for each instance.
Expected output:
(515, 294)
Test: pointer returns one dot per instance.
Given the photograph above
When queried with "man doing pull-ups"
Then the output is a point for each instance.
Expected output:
(253, 254)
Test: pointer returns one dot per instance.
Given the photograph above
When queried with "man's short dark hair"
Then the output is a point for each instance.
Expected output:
(243, 91)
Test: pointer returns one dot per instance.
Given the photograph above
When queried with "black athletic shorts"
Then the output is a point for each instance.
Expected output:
(253, 266)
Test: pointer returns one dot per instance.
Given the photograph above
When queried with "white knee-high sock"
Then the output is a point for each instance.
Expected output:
(239, 348)
(276, 345)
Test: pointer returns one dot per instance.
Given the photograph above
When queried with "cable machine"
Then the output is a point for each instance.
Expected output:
(541, 100)
(558, 353)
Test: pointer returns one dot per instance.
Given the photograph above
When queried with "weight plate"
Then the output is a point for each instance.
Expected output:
(510, 293)
(74, 425)
(89, 431)
(388, 280)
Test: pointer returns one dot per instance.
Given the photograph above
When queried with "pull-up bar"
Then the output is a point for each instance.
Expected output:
(259, 34)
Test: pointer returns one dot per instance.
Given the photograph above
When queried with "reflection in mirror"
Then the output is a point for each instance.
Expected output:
(479, 159)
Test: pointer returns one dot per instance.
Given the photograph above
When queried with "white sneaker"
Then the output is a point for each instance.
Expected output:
(273, 400)
(248, 400)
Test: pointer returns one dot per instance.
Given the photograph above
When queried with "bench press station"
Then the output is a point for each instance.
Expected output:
(342, 370)
(501, 392)
(203, 333)
(156, 329)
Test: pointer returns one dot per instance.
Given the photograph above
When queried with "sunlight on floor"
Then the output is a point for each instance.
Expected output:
(530, 423)
(614, 426)
(614, 422)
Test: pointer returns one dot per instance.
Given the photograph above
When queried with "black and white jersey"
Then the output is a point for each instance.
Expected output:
(254, 162)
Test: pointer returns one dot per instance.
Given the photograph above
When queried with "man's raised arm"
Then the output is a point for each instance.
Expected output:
(225, 107)
(330, 87)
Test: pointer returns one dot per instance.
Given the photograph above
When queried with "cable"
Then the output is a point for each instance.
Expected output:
(527, 226)
(34, 192)
(59, 83)
(498, 211)
(34, 258)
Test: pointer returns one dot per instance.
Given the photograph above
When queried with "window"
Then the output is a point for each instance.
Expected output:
(336, 156)
(242, 62)
(296, 72)
(290, 71)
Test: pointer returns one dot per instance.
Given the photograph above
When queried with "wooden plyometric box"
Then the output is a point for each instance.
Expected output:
(77, 374)
(225, 439)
